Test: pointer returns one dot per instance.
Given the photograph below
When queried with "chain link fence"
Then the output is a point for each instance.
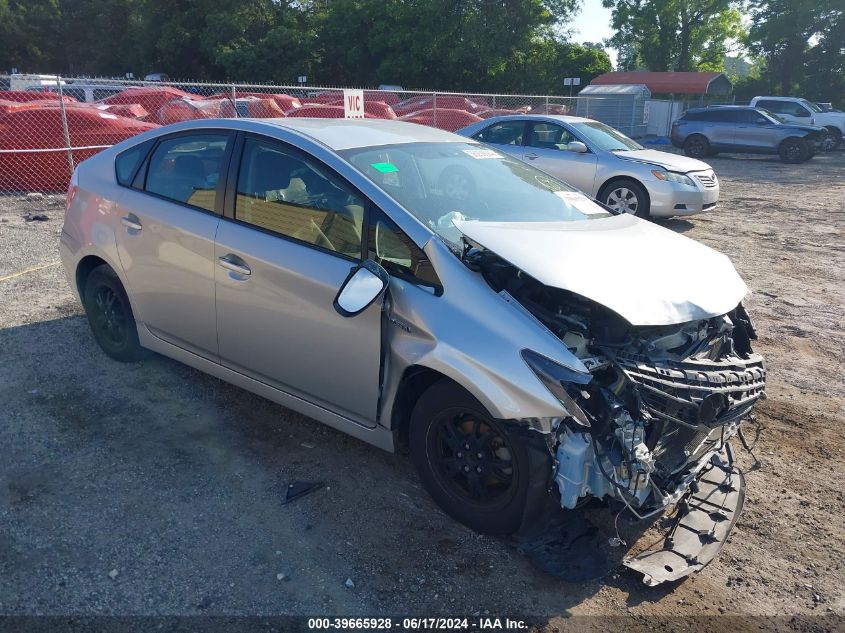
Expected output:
(48, 125)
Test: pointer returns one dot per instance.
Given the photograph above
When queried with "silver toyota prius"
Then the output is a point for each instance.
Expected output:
(513, 339)
(604, 163)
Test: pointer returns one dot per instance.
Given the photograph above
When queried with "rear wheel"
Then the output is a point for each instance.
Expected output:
(794, 150)
(626, 196)
(110, 316)
(696, 146)
(474, 466)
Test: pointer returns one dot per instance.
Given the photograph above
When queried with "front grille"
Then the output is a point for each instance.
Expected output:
(707, 179)
(693, 393)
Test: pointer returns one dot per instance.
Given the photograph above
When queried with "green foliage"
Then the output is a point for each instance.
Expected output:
(802, 43)
(679, 35)
(480, 45)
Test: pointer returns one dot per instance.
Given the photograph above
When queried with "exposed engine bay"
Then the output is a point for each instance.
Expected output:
(659, 405)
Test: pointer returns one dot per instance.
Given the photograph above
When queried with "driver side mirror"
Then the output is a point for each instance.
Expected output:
(576, 146)
(364, 284)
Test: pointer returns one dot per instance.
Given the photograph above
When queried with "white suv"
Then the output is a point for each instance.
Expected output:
(797, 110)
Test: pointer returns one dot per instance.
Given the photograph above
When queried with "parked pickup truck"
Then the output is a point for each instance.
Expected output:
(797, 110)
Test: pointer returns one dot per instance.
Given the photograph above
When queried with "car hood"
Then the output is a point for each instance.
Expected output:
(672, 162)
(803, 128)
(645, 273)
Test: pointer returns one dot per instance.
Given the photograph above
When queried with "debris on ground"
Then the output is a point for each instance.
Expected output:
(35, 217)
(299, 489)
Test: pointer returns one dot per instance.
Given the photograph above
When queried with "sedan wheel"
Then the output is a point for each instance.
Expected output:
(110, 316)
(626, 196)
(473, 465)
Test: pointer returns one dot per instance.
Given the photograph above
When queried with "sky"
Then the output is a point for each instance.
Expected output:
(592, 24)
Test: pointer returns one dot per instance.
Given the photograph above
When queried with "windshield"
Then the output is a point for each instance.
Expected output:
(811, 106)
(605, 137)
(443, 182)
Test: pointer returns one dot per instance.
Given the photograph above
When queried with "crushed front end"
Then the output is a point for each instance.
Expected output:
(650, 425)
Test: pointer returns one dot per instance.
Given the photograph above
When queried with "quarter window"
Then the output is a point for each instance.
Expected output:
(127, 162)
(394, 250)
(187, 168)
(281, 192)
(550, 136)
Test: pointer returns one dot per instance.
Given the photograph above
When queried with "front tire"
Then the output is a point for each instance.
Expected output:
(626, 196)
(696, 146)
(476, 468)
(110, 316)
(794, 150)
(832, 140)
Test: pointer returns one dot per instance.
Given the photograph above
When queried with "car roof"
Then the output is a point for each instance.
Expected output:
(723, 107)
(563, 118)
(341, 134)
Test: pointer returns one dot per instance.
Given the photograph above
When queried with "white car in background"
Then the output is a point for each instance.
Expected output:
(797, 110)
(603, 163)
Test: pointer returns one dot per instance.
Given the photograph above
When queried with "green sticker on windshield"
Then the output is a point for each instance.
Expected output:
(385, 168)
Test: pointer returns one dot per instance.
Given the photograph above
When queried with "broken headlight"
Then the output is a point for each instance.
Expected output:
(556, 377)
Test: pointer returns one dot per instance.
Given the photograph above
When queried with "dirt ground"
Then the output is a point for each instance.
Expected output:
(153, 489)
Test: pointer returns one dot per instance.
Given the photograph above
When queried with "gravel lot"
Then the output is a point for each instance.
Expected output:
(154, 489)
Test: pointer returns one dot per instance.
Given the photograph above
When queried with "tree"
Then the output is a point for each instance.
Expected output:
(680, 35)
(801, 42)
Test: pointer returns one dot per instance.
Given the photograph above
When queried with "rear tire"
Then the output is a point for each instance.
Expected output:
(110, 316)
(696, 146)
(486, 493)
(794, 150)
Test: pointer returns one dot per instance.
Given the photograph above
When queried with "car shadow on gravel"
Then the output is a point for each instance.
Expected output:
(164, 489)
(678, 225)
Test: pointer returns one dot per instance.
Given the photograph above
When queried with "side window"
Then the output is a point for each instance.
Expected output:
(505, 133)
(284, 193)
(549, 136)
(799, 110)
(187, 168)
(750, 116)
(772, 106)
(395, 251)
(127, 162)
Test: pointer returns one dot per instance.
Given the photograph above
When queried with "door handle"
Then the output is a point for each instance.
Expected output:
(235, 264)
(531, 156)
(131, 222)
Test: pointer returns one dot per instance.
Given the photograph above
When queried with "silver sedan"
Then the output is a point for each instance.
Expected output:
(604, 163)
(515, 340)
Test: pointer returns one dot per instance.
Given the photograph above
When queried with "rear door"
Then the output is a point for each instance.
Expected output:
(292, 233)
(505, 136)
(721, 127)
(547, 149)
(168, 214)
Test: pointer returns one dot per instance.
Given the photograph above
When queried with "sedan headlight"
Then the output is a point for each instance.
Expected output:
(671, 176)
(556, 377)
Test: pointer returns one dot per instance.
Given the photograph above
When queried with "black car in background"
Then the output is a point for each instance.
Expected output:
(707, 131)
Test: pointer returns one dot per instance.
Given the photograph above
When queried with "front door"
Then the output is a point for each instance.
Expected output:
(754, 131)
(166, 238)
(547, 149)
(295, 234)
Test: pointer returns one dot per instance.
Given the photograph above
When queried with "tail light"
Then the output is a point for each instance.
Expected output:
(72, 189)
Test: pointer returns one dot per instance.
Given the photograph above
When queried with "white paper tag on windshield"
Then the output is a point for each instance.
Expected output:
(580, 202)
(481, 153)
